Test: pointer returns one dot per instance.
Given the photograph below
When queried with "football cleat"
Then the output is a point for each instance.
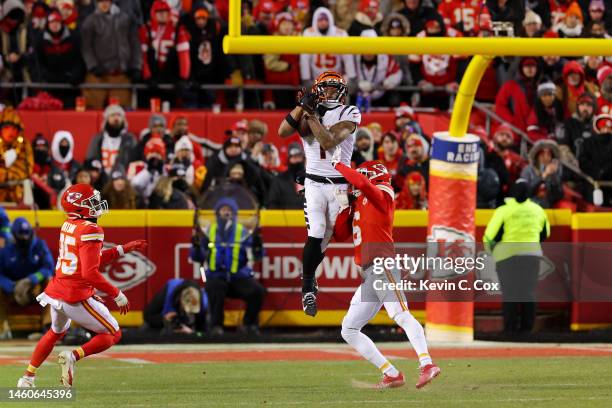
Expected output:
(391, 382)
(309, 303)
(428, 373)
(26, 382)
(66, 361)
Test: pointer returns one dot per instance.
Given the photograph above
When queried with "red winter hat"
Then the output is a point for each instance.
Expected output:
(415, 177)
(54, 16)
(155, 145)
(505, 129)
(601, 121)
(603, 73)
(241, 125)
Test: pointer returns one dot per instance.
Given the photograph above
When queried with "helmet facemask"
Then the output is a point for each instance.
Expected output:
(331, 92)
(97, 207)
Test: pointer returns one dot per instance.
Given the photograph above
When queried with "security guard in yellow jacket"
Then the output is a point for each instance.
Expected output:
(514, 235)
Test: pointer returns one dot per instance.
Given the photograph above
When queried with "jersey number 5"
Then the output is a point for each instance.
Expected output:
(356, 229)
(67, 260)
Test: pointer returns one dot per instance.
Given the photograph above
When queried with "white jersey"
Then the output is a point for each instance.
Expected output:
(318, 160)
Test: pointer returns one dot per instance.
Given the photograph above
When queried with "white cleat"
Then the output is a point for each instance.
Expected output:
(66, 361)
(26, 382)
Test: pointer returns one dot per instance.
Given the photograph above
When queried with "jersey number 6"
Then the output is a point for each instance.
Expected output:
(67, 260)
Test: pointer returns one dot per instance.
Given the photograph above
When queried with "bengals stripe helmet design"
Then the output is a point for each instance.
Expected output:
(328, 82)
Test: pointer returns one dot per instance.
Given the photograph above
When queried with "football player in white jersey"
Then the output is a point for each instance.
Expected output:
(323, 122)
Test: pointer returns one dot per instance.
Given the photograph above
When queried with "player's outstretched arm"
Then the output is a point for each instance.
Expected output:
(109, 255)
(328, 139)
(290, 124)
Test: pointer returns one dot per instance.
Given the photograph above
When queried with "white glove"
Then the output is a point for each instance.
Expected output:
(336, 158)
(9, 157)
(365, 86)
(388, 83)
(121, 300)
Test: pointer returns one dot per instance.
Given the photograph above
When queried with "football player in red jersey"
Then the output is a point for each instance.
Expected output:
(369, 219)
(71, 291)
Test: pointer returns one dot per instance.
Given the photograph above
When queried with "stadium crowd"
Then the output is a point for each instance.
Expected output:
(562, 104)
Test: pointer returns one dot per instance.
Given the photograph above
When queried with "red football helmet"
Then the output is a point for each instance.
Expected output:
(83, 201)
(375, 171)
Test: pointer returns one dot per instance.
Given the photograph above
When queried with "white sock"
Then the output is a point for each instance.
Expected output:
(416, 335)
(389, 369)
(366, 347)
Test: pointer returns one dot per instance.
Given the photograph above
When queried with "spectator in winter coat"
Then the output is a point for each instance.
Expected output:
(282, 69)
(364, 144)
(391, 153)
(599, 14)
(46, 178)
(168, 193)
(546, 118)
(157, 126)
(532, 25)
(119, 193)
(462, 15)
(62, 150)
(571, 24)
(195, 172)
(377, 76)
(396, 25)
(579, 126)
(367, 18)
(16, 158)
(312, 65)
(604, 102)
(97, 176)
(111, 50)
(516, 97)
(165, 52)
(284, 188)
(595, 157)
(113, 145)
(416, 158)
(573, 86)
(543, 174)
(144, 175)
(218, 166)
(417, 14)
(14, 43)
(413, 195)
(436, 70)
(203, 148)
(500, 157)
(58, 56)
(552, 66)
(206, 33)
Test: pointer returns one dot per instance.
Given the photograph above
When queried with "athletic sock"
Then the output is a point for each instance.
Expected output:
(416, 335)
(97, 344)
(311, 258)
(365, 347)
(41, 352)
(389, 369)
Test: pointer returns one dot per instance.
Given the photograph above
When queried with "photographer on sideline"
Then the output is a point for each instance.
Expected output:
(179, 307)
(514, 234)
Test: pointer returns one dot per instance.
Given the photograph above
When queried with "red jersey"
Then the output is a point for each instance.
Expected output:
(604, 106)
(461, 14)
(77, 271)
(369, 219)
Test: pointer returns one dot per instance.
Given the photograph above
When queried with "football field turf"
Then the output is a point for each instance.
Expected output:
(326, 375)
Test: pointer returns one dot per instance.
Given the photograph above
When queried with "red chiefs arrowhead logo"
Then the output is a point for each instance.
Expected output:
(73, 197)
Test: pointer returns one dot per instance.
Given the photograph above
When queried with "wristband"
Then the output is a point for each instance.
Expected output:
(292, 122)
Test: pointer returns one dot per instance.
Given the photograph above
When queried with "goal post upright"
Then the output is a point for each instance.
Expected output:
(452, 184)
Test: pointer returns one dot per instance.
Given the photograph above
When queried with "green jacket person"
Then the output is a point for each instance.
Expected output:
(514, 234)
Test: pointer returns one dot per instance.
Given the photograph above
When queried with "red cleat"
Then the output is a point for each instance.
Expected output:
(428, 373)
(391, 382)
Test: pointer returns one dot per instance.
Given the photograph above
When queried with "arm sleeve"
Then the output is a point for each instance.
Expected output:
(362, 183)
(89, 255)
(494, 226)
(109, 255)
(182, 49)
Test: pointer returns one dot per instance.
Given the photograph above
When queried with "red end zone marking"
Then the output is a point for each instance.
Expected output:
(315, 355)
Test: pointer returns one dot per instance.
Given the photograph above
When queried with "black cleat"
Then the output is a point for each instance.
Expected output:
(309, 303)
